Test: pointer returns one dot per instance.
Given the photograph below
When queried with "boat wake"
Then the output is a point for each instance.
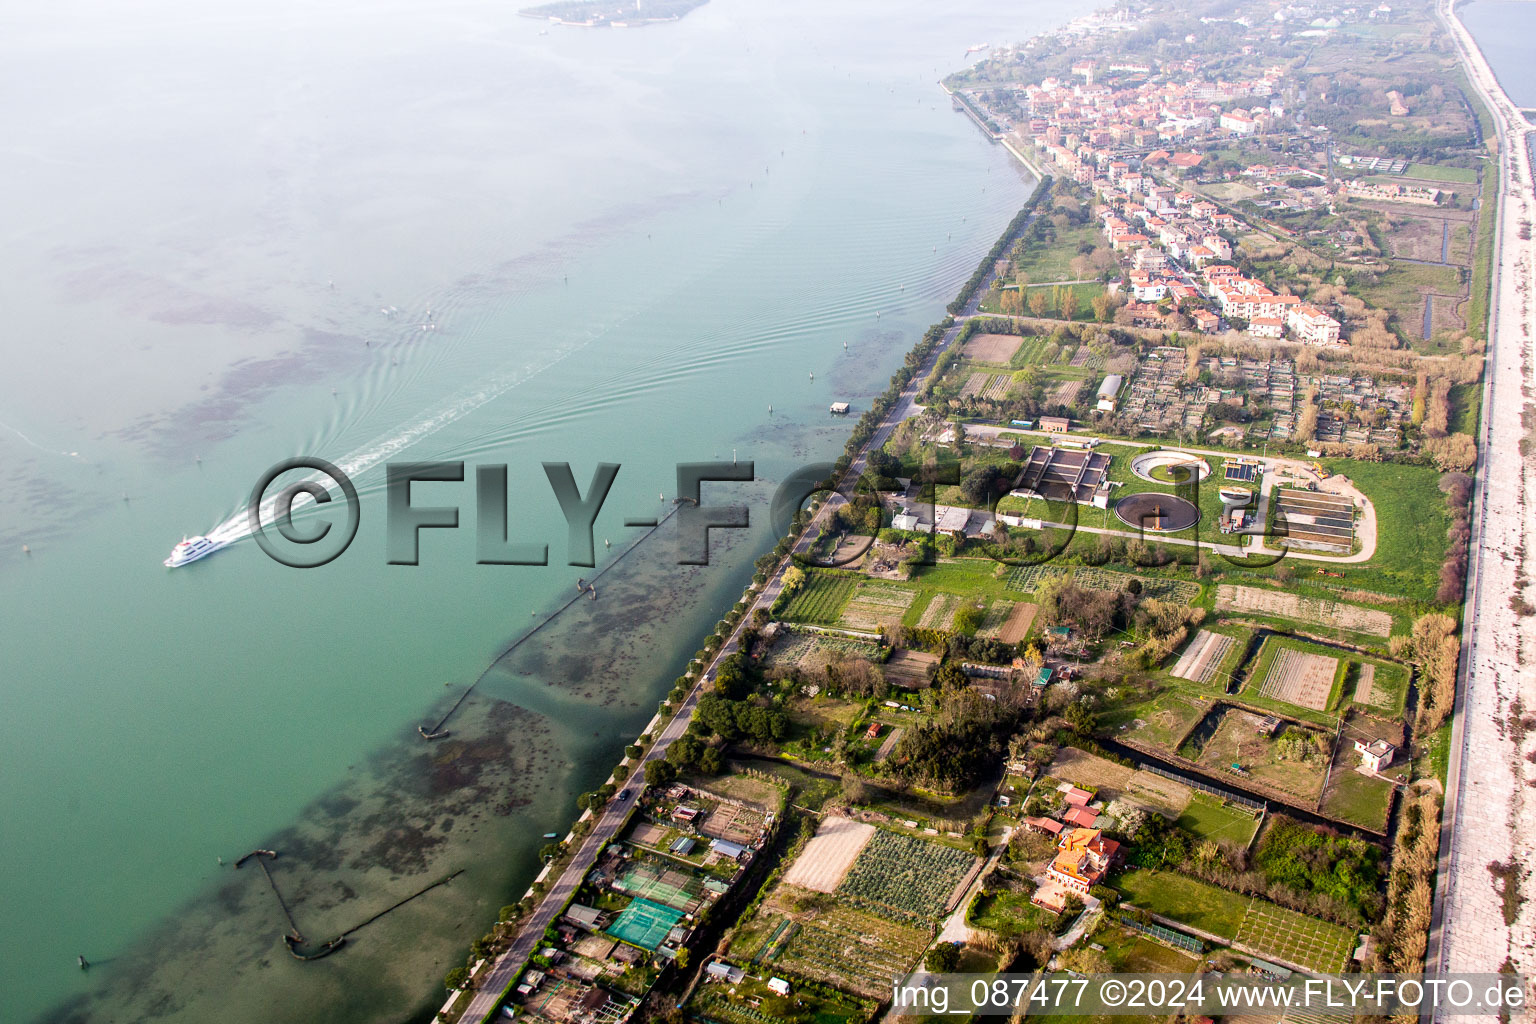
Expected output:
(238, 525)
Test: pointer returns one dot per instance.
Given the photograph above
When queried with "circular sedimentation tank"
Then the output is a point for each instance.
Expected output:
(1170, 467)
(1157, 513)
(1236, 495)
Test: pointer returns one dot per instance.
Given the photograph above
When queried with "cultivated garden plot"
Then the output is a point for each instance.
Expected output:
(732, 822)
(873, 605)
(1026, 579)
(1095, 578)
(1301, 678)
(911, 668)
(908, 878)
(975, 384)
(1365, 687)
(1203, 656)
(1016, 626)
(1033, 350)
(1066, 392)
(996, 615)
(810, 650)
(1086, 358)
(995, 349)
(940, 613)
(1296, 938)
(830, 853)
(851, 949)
(1281, 604)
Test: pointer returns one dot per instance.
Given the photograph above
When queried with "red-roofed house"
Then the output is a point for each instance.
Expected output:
(1078, 797)
(1050, 826)
(1081, 817)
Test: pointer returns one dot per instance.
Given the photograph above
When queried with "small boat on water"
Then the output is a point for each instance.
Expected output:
(978, 47)
(190, 550)
(551, 835)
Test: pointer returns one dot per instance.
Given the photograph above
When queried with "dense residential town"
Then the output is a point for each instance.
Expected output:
(1137, 647)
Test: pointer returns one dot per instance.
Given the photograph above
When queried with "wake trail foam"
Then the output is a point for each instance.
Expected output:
(238, 526)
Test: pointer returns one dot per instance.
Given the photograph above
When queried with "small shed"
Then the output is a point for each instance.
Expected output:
(839, 408)
(584, 916)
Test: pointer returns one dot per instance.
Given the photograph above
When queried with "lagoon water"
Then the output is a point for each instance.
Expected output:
(227, 227)
(1505, 31)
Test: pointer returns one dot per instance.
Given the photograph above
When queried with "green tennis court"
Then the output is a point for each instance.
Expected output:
(661, 885)
(644, 924)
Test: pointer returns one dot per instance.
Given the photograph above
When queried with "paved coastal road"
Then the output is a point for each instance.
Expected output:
(1489, 814)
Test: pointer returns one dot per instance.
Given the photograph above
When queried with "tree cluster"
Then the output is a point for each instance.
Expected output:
(958, 745)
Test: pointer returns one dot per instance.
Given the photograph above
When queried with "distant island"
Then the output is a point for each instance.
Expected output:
(596, 13)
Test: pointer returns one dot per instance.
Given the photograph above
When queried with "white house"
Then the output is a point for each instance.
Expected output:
(1239, 123)
(1375, 755)
(1266, 327)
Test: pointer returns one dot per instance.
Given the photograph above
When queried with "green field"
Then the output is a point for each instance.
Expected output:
(1466, 404)
(1357, 798)
(1053, 261)
(1437, 172)
(1284, 934)
(1165, 719)
(1482, 255)
(1211, 818)
(1411, 521)
(1131, 951)
(1184, 899)
(1007, 914)
(1400, 289)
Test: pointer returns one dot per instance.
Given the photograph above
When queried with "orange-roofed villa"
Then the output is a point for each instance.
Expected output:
(1083, 857)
